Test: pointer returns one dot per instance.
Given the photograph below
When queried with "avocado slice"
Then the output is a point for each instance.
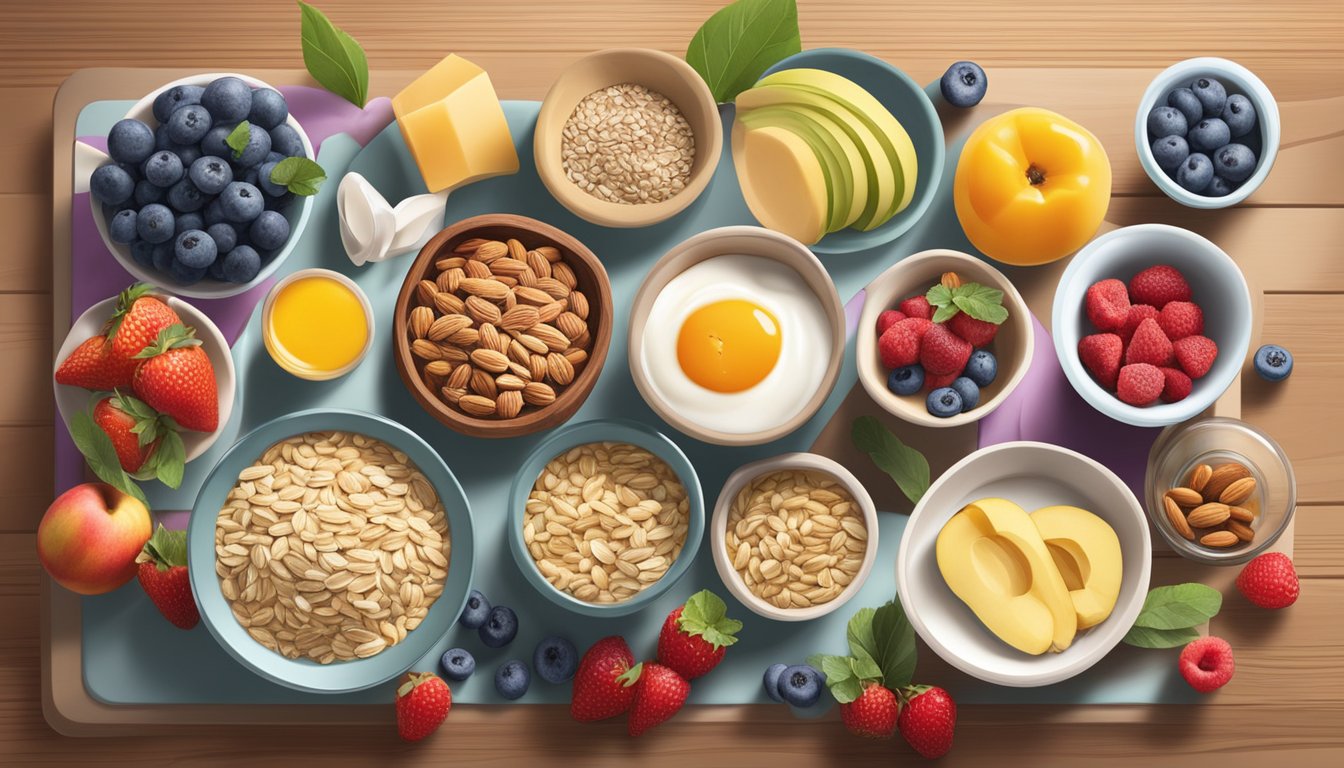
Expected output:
(782, 180)
(840, 177)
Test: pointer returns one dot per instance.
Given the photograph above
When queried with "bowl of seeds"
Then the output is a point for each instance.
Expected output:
(605, 516)
(627, 137)
(794, 536)
(502, 326)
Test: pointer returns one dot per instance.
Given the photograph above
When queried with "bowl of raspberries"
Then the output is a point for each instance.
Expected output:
(943, 340)
(1151, 324)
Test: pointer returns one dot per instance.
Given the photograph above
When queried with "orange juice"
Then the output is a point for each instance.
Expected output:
(316, 326)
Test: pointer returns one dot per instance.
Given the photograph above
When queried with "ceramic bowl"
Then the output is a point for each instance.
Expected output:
(1218, 288)
(1013, 346)
(72, 400)
(657, 71)
(596, 431)
(592, 281)
(1236, 79)
(750, 241)
(907, 101)
(718, 526)
(1033, 475)
(304, 674)
(1181, 448)
(296, 213)
(283, 358)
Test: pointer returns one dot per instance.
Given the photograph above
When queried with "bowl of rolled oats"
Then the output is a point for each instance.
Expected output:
(627, 137)
(329, 550)
(605, 516)
(794, 536)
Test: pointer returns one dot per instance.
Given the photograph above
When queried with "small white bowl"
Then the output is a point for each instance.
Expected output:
(72, 400)
(1032, 475)
(718, 528)
(279, 356)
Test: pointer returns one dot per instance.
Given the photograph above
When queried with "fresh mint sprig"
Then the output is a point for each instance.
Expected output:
(979, 301)
(299, 175)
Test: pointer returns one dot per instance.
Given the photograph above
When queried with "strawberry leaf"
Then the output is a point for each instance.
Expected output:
(705, 616)
(895, 639)
(101, 456)
(174, 336)
(841, 676)
(170, 459)
(631, 675)
(166, 548)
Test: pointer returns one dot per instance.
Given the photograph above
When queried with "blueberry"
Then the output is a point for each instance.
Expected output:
(163, 168)
(964, 84)
(122, 227)
(195, 249)
(1185, 100)
(555, 659)
(162, 256)
(1166, 121)
(112, 210)
(457, 663)
(264, 181)
(188, 155)
(1239, 114)
(229, 99)
(982, 367)
(214, 143)
(1234, 162)
(111, 184)
(274, 157)
(146, 193)
(279, 203)
(161, 140)
(1219, 187)
(143, 253)
(241, 202)
(1211, 94)
(189, 125)
(258, 147)
(770, 680)
(132, 170)
(186, 221)
(286, 141)
(1169, 151)
(268, 108)
(1195, 173)
(185, 274)
(185, 197)
(214, 212)
(475, 611)
(216, 270)
(241, 264)
(500, 627)
(944, 402)
(906, 380)
(1273, 362)
(130, 141)
(224, 235)
(511, 679)
(177, 96)
(969, 392)
(210, 174)
(800, 685)
(1209, 134)
(155, 223)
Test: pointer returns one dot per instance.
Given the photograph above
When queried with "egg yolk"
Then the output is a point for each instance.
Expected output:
(729, 345)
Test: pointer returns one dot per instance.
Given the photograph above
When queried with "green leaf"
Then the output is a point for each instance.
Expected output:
(172, 337)
(904, 464)
(980, 302)
(1179, 606)
(170, 459)
(860, 634)
(1146, 637)
(299, 175)
(939, 295)
(167, 548)
(836, 668)
(705, 615)
(740, 41)
(866, 668)
(238, 138)
(896, 650)
(333, 57)
(631, 675)
(945, 313)
(102, 456)
(846, 690)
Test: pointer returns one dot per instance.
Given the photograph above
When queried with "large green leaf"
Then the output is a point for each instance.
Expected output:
(738, 43)
(333, 57)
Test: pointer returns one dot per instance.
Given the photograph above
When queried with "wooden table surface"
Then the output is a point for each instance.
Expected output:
(1286, 702)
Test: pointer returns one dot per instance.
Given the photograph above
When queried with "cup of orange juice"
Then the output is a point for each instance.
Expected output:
(317, 324)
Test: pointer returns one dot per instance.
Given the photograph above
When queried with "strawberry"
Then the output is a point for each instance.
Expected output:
(888, 318)
(1180, 319)
(934, 381)
(1139, 384)
(977, 333)
(137, 322)
(163, 576)
(604, 685)
(110, 415)
(1207, 664)
(1100, 353)
(659, 694)
(1137, 314)
(1107, 304)
(1149, 345)
(899, 345)
(1159, 285)
(917, 306)
(696, 635)
(176, 377)
(1176, 385)
(1269, 581)
(873, 714)
(942, 351)
(93, 366)
(927, 720)
(1195, 355)
(423, 701)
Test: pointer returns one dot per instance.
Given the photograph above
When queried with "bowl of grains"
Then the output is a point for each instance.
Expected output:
(627, 137)
(605, 516)
(794, 536)
(502, 326)
(330, 550)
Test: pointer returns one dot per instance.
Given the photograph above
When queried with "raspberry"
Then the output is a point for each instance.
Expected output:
(1149, 345)
(1159, 285)
(899, 345)
(887, 319)
(1180, 319)
(1269, 581)
(942, 351)
(1100, 353)
(1137, 314)
(978, 332)
(1195, 355)
(1107, 305)
(1139, 384)
(917, 306)
(1206, 664)
(1177, 386)
(934, 381)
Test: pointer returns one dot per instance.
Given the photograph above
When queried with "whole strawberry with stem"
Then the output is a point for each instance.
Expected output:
(696, 635)
(602, 688)
(927, 720)
(873, 714)
(147, 443)
(136, 322)
(163, 576)
(659, 694)
(423, 701)
(176, 377)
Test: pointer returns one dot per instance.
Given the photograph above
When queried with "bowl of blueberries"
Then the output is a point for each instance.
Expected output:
(189, 198)
(1207, 132)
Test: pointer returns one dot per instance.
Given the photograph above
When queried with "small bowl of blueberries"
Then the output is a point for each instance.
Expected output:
(199, 194)
(1207, 132)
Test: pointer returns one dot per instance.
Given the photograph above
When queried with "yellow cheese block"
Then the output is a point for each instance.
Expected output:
(454, 125)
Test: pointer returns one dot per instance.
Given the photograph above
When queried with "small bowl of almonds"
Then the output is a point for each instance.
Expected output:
(502, 326)
(1219, 490)
(794, 536)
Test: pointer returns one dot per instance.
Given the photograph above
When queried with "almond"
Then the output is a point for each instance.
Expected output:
(438, 368)
(538, 264)
(452, 262)
(571, 324)
(1208, 515)
(1241, 514)
(578, 303)
(510, 382)
(576, 356)
(482, 311)
(460, 376)
(477, 405)
(527, 278)
(508, 267)
(426, 350)
(486, 289)
(520, 318)
(531, 343)
(533, 296)
(539, 394)
(420, 320)
(448, 304)
(483, 383)
(452, 395)
(1242, 531)
(537, 368)
(477, 269)
(517, 352)
(509, 404)
(1238, 491)
(1177, 518)
(465, 337)
(549, 312)
(1185, 497)
(1219, 539)
(446, 326)
(521, 371)
(496, 362)
(552, 286)
(516, 249)
(426, 290)
(452, 354)
(490, 250)
(559, 368)
(470, 245)
(1199, 477)
(491, 339)
(1223, 476)
(565, 274)
(950, 280)
(552, 337)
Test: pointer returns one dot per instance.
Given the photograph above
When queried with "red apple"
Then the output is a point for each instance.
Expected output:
(89, 538)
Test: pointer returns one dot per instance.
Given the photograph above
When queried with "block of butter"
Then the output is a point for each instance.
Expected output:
(454, 125)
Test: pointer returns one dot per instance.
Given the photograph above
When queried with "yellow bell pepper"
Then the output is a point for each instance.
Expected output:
(1031, 187)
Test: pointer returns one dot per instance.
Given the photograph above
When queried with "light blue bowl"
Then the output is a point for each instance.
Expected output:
(1217, 285)
(908, 102)
(302, 674)
(596, 431)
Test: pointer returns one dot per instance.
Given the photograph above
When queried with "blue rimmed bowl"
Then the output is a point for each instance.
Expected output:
(597, 431)
(303, 674)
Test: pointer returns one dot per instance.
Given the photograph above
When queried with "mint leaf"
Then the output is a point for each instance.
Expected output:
(939, 296)
(333, 57)
(735, 46)
(943, 314)
(907, 466)
(705, 615)
(238, 138)
(101, 456)
(1146, 637)
(167, 548)
(895, 640)
(299, 175)
(1179, 606)
(980, 302)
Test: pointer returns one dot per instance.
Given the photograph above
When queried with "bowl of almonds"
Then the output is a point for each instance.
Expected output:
(1219, 490)
(502, 326)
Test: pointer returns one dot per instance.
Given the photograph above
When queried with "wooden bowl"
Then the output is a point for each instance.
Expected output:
(592, 280)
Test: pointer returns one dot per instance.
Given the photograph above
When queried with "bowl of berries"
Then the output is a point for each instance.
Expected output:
(207, 184)
(943, 340)
(1151, 324)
